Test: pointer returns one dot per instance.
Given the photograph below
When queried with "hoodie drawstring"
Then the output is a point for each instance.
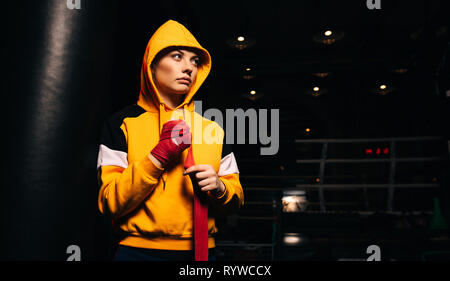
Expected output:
(161, 108)
(185, 112)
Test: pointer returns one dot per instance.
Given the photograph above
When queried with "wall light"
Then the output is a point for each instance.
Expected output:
(295, 239)
(294, 201)
(292, 239)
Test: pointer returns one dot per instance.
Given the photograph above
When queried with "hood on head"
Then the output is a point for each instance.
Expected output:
(170, 34)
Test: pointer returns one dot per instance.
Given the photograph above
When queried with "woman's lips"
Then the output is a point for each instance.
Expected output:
(184, 81)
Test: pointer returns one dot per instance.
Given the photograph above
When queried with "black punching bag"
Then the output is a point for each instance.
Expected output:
(56, 76)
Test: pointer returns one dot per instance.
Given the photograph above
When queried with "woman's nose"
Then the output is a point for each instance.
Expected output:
(187, 66)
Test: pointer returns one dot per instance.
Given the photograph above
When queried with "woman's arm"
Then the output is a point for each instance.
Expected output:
(122, 186)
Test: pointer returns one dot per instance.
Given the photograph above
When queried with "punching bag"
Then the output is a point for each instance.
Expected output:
(58, 62)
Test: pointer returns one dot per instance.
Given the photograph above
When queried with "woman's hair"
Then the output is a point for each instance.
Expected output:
(167, 50)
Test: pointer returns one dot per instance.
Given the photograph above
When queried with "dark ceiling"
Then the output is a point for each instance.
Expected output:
(402, 34)
(411, 35)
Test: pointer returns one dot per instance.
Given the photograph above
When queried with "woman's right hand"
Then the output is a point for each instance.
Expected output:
(174, 139)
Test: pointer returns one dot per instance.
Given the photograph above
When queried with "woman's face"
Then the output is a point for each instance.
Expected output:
(172, 69)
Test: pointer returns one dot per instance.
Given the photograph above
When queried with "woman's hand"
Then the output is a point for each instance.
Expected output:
(174, 139)
(207, 178)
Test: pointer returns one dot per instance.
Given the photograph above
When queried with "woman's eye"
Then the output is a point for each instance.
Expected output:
(179, 56)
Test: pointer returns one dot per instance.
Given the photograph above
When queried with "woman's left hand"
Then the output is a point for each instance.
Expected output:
(207, 178)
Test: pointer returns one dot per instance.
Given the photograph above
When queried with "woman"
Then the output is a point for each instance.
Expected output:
(162, 189)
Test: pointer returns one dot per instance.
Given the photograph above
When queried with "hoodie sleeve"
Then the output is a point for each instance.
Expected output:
(122, 186)
(233, 197)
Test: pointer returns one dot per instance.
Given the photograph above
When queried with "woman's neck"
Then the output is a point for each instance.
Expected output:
(172, 100)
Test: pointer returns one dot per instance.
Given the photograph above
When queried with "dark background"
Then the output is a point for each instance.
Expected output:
(65, 71)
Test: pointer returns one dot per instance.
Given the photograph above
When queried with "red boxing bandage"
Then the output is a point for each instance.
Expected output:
(175, 137)
(200, 214)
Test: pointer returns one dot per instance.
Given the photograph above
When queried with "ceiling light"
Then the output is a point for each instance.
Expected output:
(321, 74)
(328, 37)
(383, 89)
(248, 74)
(307, 132)
(316, 91)
(400, 70)
(240, 42)
(252, 95)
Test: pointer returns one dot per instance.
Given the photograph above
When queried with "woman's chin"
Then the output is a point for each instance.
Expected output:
(181, 90)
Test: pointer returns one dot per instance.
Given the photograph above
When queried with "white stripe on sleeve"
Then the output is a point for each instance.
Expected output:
(228, 165)
(110, 157)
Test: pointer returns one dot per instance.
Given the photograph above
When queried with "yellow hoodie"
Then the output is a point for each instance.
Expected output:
(153, 208)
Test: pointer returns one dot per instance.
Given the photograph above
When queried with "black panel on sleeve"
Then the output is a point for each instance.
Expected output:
(112, 135)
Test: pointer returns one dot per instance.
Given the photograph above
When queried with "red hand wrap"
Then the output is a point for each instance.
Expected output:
(200, 214)
(166, 149)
